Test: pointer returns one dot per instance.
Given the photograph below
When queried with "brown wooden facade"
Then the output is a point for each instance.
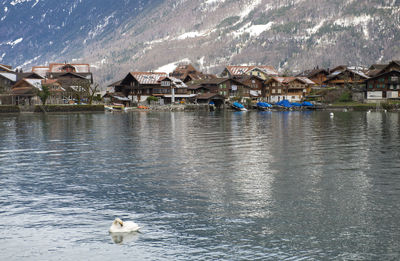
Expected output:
(384, 86)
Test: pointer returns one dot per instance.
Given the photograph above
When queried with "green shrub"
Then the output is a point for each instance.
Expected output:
(151, 98)
(69, 108)
(345, 97)
(9, 109)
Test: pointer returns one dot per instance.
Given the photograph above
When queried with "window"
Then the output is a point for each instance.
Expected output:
(381, 80)
(394, 78)
(371, 86)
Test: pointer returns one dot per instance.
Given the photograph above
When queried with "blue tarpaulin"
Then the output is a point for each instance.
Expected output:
(264, 104)
(306, 103)
(284, 103)
(238, 105)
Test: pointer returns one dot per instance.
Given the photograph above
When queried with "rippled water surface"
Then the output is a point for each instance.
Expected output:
(204, 186)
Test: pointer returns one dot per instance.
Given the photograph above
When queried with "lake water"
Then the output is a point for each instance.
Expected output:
(203, 186)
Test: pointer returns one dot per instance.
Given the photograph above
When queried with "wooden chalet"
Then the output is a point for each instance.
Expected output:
(262, 71)
(172, 90)
(383, 86)
(74, 79)
(24, 92)
(140, 85)
(228, 88)
(44, 71)
(375, 69)
(188, 73)
(346, 78)
(257, 86)
(318, 76)
(294, 89)
(57, 92)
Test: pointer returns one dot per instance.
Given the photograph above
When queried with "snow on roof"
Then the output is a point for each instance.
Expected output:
(241, 69)
(10, 76)
(306, 80)
(37, 83)
(148, 77)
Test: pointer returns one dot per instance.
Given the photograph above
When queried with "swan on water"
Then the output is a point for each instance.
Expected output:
(119, 226)
(331, 114)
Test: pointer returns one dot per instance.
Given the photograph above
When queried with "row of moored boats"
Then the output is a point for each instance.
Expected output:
(282, 105)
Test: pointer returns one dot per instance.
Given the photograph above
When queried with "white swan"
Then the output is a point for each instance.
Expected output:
(119, 226)
(331, 114)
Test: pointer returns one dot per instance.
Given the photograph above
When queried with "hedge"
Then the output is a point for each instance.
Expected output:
(69, 108)
(9, 109)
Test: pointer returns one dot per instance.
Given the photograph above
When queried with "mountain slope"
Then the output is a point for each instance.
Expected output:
(288, 34)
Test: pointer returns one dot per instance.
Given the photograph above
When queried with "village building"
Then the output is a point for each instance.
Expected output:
(75, 79)
(293, 89)
(188, 73)
(383, 86)
(349, 77)
(262, 71)
(375, 69)
(140, 85)
(172, 90)
(210, 98)
(116, 98)
(24, 92)
(57, 92)
(258, 89)
(228, 88)
(317, 75)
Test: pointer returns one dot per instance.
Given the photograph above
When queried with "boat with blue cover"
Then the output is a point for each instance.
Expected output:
(238, 106)
(262, 106)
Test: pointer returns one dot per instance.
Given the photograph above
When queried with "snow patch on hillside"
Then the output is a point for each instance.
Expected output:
(253, 30)
(362, 21)
(194, 34)
(169, 68)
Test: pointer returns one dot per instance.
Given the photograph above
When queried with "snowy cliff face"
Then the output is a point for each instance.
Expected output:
(288, 34)
(31, 31)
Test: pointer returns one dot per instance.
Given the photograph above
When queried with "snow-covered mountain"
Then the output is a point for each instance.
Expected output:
(125, 35)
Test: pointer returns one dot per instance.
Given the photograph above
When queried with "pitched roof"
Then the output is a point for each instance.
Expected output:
(6, 68)
(238, 70)
(177, 82)
(354, 71)
(148, 77)
(11, 76)
(286, 80)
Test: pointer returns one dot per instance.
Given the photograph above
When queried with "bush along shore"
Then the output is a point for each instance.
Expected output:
(51, 108)
(69, 108)
(9, 109)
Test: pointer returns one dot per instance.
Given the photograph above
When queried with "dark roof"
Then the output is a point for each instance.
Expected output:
(377, 66)
(60, 74)
(115, 83)
(30, 75)
(23, 91)
(382, 74)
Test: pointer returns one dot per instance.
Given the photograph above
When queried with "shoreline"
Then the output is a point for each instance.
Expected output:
(52, 109)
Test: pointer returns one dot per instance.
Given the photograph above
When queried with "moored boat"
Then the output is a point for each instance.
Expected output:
(262, 106)
(238, 106)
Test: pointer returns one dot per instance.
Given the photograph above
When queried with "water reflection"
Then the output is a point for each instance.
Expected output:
(124, 238)
(207, 186)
